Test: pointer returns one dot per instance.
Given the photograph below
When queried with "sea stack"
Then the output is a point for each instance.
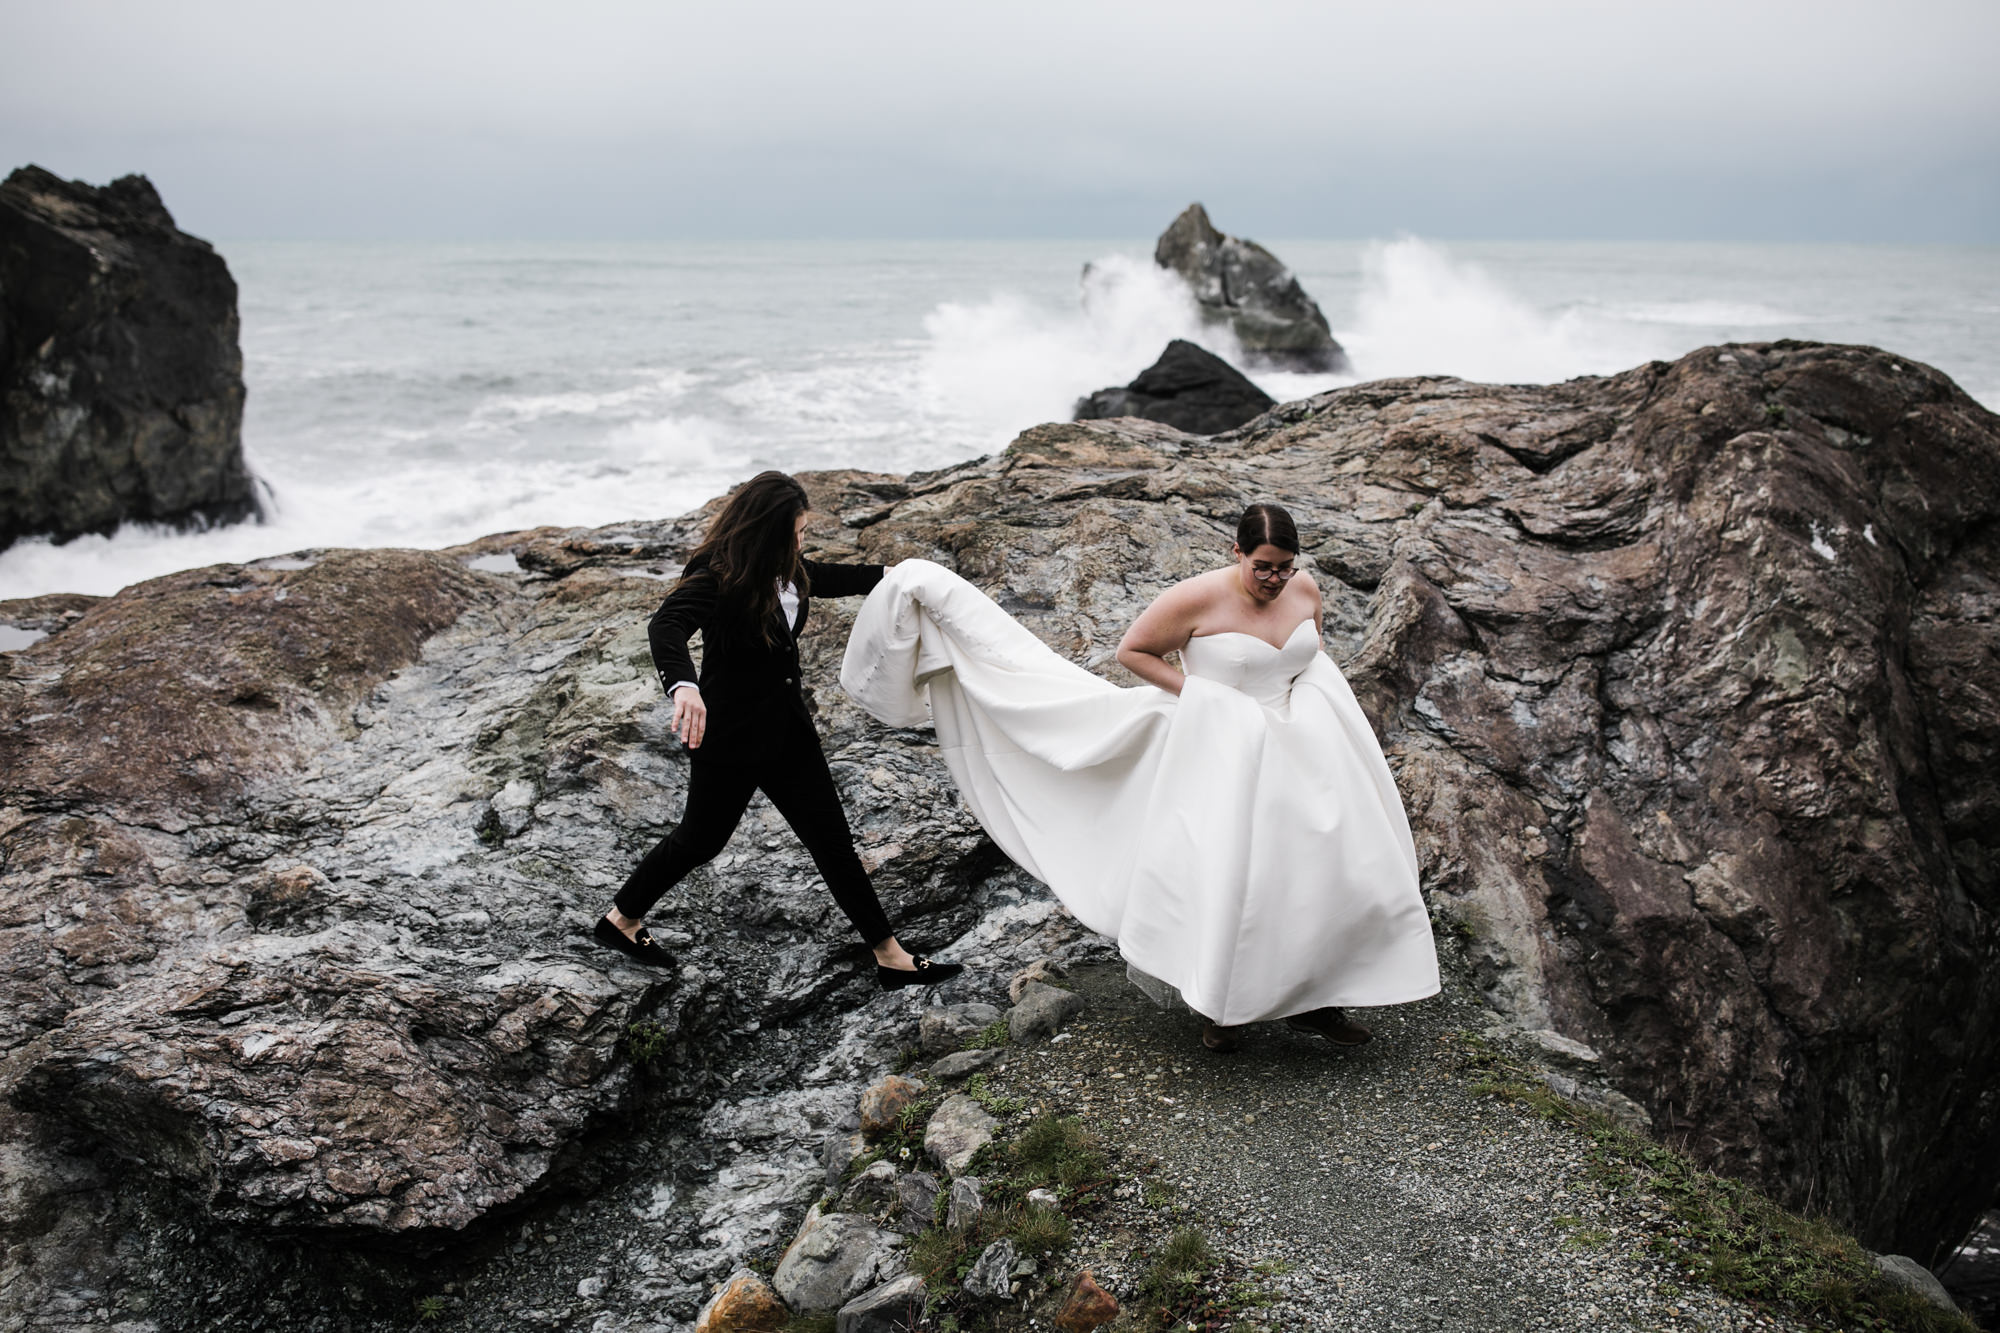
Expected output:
(121, 378)
(1189, 388)
(1243, 285)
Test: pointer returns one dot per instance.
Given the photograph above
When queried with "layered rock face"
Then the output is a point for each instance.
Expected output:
(1241, 284)
(1690, 676)
(121, 382)
(1189, 388)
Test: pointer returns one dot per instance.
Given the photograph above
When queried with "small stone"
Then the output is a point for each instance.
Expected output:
(883, 1102)
(1907, 1273)
(591, 1288)
(961, 1063)
(893, 1307)
(1045, 1197)
(1045, 970)
(1041, 1010)
(968, 1201)
(917, 1193)
(872, 1188)
(958, 1129)
(992, 1274)
(745, 1304)
(945, 1028)
(1087, 1306)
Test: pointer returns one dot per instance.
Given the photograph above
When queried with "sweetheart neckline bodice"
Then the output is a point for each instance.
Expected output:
(1246, 634)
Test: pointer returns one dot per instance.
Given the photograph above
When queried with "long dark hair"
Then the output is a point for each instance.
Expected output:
(751, 546)
(1266, 525)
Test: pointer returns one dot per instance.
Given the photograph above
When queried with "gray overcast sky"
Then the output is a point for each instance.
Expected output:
(1820, 120)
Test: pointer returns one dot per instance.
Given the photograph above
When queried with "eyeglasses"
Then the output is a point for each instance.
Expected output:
(1273, 575)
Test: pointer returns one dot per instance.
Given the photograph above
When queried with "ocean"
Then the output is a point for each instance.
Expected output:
(425, 394)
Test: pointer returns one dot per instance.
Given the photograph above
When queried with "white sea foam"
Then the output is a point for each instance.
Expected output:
(1421, 312)
(1007, 363)
(395, 402)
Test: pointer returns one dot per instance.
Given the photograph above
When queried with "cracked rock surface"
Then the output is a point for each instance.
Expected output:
(1690, 677)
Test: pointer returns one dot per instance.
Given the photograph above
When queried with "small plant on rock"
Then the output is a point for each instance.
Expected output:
(646, 1041)
(430, 1308)
(991, 1036)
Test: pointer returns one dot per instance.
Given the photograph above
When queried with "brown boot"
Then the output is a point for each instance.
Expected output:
(1219, 1039)
(1330, 1023)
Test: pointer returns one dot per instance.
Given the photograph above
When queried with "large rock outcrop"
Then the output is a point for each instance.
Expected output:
(121, 382)
(1690, 676)
(1242, 285)
(1189, 388)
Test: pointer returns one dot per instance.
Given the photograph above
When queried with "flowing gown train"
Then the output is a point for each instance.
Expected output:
(1244, 842)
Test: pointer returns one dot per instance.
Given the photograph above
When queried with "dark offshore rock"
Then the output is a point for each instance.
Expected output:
(1690, 676)
(1189, 388)
(1241, 284)
(121, 382)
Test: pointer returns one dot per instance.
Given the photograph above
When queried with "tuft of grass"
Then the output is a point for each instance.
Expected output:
(1037, 1229)
(993, 1035)
(1059, 1151)
(1722, 1233)
(1774, 413)
(646, 1041)
(1173, 1284)
(1158, 1194)
(430, 1308)
(906, 1057)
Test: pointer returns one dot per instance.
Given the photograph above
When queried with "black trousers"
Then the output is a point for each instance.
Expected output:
(795, 776)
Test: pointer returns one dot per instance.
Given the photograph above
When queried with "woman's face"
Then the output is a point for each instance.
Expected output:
(799, 532)
(1265, 571)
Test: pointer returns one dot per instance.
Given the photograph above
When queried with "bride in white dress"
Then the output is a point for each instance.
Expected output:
(1235, 828)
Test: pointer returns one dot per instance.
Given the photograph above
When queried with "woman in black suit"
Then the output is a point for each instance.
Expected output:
(748, 589)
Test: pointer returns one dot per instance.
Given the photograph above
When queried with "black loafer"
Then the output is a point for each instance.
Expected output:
(644, 949)
(927, 973)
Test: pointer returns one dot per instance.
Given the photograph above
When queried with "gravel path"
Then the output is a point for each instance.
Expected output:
(1372, 1188)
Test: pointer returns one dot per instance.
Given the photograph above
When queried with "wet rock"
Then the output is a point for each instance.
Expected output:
(835, 1258)
(121, 381)
(884, 1102)
(945, 1028)
(992, 1275)
(871, 1188)
(745, 1304)
(958, 1129)
(1041, 1012)
(960, 1064)
(1086, 1306)
(893, 1307)
(917, 1194)
(1189, 388)
(1686, 674)
(1244, 287)
(968, 1201)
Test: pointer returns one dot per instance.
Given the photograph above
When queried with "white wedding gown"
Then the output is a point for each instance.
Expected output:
(1243, 842)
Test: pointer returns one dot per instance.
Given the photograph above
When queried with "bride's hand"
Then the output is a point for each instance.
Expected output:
(690, 716)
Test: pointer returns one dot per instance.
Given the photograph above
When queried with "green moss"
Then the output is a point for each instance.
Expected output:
(1722, 1233)
(646, 1041)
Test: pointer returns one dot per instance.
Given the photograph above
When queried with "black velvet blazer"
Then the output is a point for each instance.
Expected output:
(751, 687)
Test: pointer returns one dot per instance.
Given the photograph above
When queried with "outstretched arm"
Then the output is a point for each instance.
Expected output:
(833, 580)
(1162, 628)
